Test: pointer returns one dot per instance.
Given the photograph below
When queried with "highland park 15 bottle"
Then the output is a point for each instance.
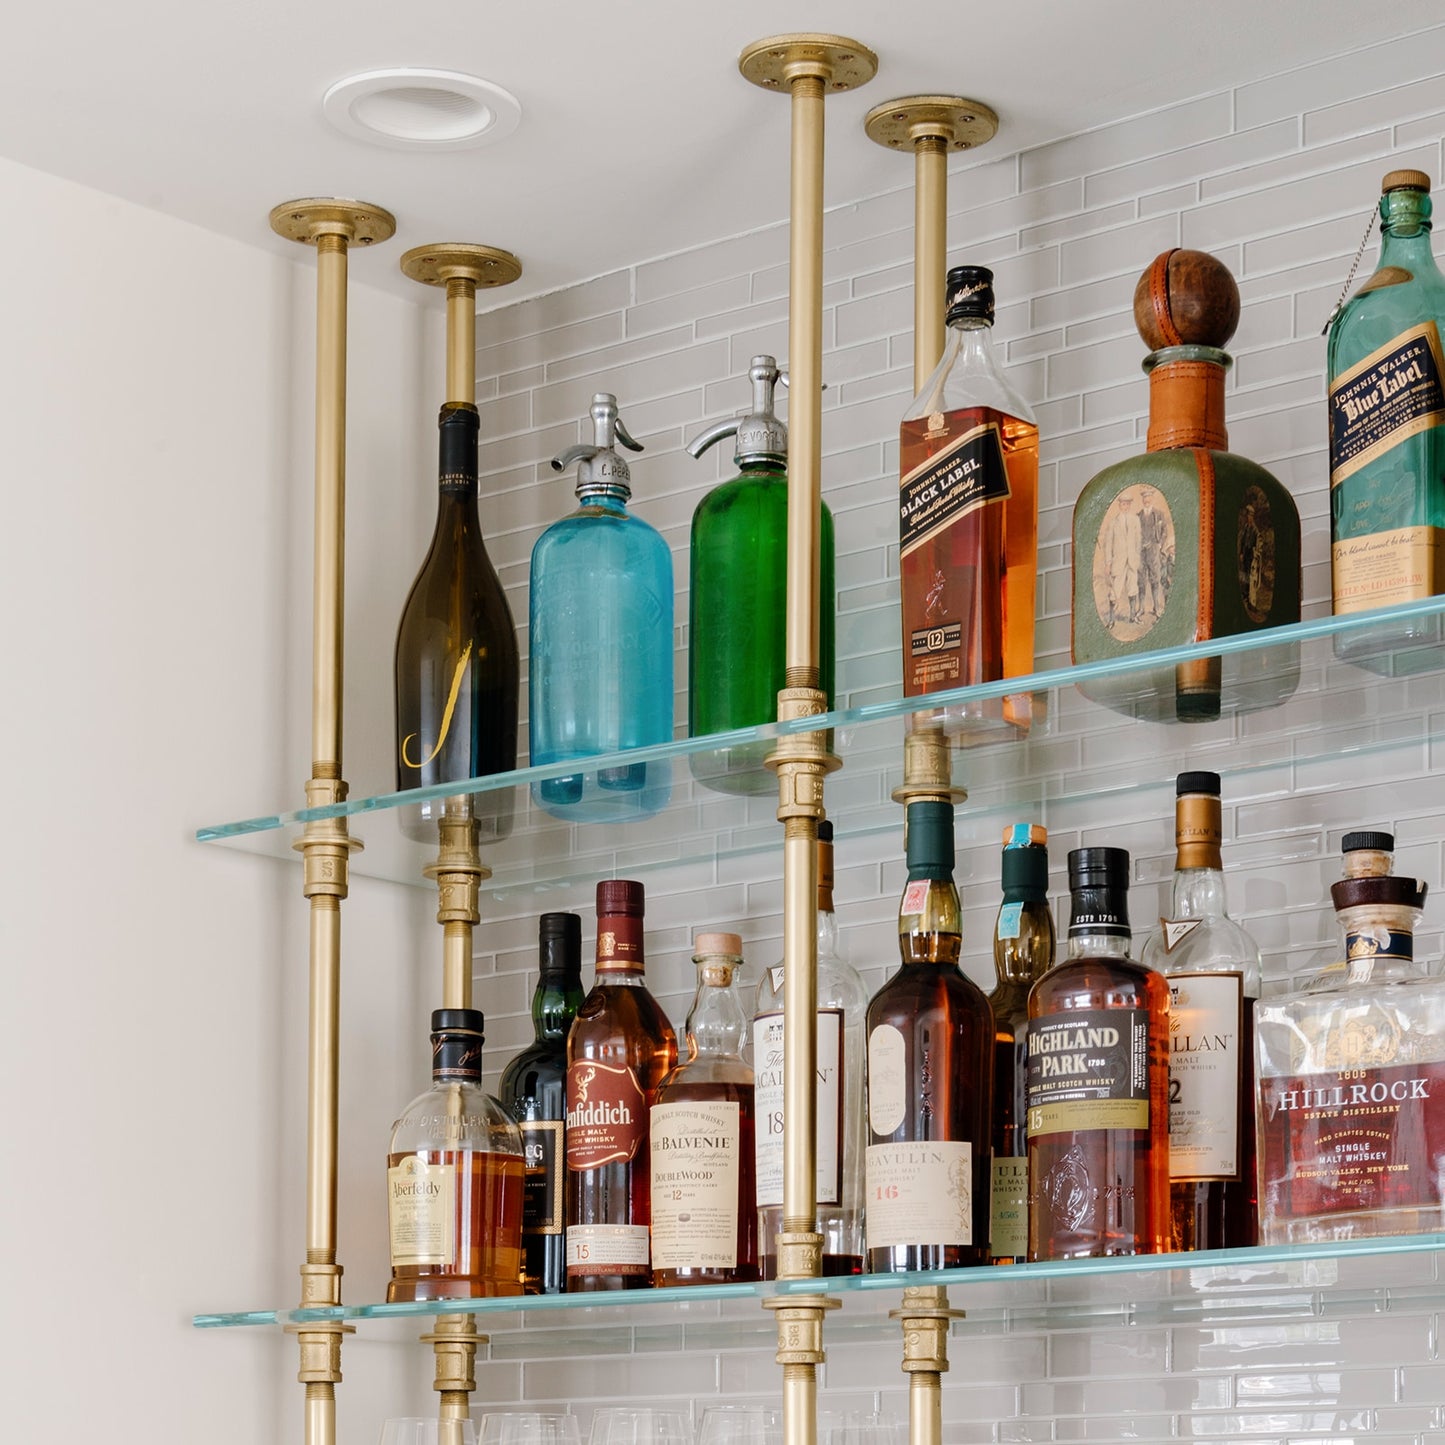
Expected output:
(968, 511)
(930, 1076)
(618, 1051)
(1098, 1082)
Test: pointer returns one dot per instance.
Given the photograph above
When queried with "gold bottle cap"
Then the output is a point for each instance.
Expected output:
(706, 943)
(1405, 181)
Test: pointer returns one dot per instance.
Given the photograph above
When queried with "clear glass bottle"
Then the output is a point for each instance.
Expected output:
(842, 1005)
(1387, 425)
(930, 1076)
(454, 1178)
(619, 1049)
(1363, 854)
(534, 1088)
(1098, 1082)
(455, 668)
(1023, 952)
(737, 607)
(1213, 969)
(704, 1225)
(968, 522)
(1352, 1083)
(600, 639)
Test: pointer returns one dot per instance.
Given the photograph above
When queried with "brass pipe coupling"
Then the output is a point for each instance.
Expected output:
(325, 845)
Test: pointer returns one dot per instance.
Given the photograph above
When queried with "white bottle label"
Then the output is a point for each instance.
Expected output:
(422, 1212)
(1206, 1018)
(694, 1152)
(1008, 1223)
(887, 1086)
(607, 1248)
(919, 1194)
(768, 1101)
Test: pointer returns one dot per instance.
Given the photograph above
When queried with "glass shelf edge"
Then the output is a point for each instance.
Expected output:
(1329, 626)
(1214, 1260)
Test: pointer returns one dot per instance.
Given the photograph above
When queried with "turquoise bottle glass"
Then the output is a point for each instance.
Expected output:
(738, 597)
(600, 637)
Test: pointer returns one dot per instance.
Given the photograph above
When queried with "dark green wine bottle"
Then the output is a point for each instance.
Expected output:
(456, 653)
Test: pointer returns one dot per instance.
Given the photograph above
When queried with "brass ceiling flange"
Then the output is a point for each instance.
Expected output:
(308, 220)
(840, 63)
(959, 123)
(446, 261)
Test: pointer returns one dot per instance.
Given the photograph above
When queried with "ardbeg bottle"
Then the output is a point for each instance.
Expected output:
(1098, 1082)
(618, 1051)
(1387, 423)
(842, 1003)
(704, 1225)
(534, 1088)
(1023, 952)
(930, 1076)
(456, 668)
(1213, 969)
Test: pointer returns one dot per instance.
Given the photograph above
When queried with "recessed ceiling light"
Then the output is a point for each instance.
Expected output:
(421, 109)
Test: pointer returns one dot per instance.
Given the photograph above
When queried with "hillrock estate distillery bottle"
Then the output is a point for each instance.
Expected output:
(1098, 1082)
(1023, 952)
(1352, 1082)
(534, 1088)
(454, 1178)
(968, 522)
(456, 668)
(1213, 969)
(840, 1119)
(738, 602)
(1387, 423)
(620, 1048)
(704, 1223)
(600, 662)
(930, 1076)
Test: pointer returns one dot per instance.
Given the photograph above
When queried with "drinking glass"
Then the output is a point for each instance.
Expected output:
(741, 1424)
(427, 1430)
(525, 1427)
(627, 1426)
(859, 1427)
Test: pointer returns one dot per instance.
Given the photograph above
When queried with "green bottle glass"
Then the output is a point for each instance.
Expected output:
(738, 601)
(1387, 425)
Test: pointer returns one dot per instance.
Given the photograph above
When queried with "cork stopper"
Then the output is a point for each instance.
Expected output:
(1186, 298)
(1405, 181)
(705, 943)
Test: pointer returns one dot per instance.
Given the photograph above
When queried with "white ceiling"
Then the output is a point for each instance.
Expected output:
(638, 136)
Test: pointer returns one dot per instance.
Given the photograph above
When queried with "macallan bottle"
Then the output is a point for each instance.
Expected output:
(454, 1178)
(930, 1076)
(1098, 1082)
(618, 1050)
(1023, 952)
(1213, 969)
(456, 668)
(534, 1088)
(842, 1003)
(704, 1225)
(968, 521)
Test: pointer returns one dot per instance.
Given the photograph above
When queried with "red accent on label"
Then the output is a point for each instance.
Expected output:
(606, 1114)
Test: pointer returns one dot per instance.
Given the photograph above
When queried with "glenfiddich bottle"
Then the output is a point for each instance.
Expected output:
(619, 1049)
(1213, 969)
(968, 510)
(1023, 952)
(454, 1178)
(534, 1088)
(930, 1076)
(842, 1003)
(1387, 423)
(1098, 1082)
(704, 1224)
(456, 668)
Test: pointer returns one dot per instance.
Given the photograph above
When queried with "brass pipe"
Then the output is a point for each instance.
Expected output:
(461, 339)
(322, 1080)
(328, 565)
(925, 1316)
(800, 1001)
(930, 253)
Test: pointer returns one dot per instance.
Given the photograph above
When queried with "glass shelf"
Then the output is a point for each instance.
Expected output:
(1287, 697)
(1309, 1281)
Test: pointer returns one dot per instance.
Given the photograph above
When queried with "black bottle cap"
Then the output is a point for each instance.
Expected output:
(1190, 783)
(1196, 705)
(456, 1044)
(559, 944)
(1367, 842)
(619, 896)
(1099, 868)
(458, 1021)
(1099, 891)
(825, 831)
(930, 837)
(970, 293)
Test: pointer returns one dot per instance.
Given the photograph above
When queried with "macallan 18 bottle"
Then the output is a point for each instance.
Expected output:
(1098, 1082)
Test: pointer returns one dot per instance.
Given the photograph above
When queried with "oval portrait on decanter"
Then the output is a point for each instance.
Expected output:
(1134, 562)
(1255, 553)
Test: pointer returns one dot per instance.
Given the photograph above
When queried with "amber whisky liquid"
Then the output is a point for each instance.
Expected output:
(487, 1215)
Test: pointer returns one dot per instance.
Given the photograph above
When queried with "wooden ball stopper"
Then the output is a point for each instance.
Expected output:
(1186, 298)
